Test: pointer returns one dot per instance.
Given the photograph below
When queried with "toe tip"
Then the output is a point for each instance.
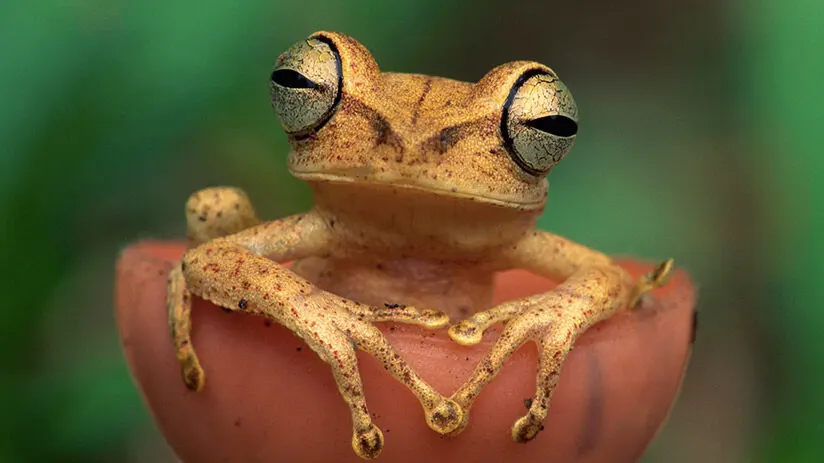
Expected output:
(465, 335)
(446, 417)
(368, 444)
(194, 379)
(524, 430)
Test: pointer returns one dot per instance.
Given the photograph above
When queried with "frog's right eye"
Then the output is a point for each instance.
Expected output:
(306, 85)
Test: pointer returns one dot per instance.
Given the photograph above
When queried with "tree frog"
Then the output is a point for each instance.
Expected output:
(424, 188)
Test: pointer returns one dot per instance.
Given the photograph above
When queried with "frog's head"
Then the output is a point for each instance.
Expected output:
(490, 142)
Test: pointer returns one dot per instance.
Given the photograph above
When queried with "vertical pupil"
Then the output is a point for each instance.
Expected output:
(291, 79)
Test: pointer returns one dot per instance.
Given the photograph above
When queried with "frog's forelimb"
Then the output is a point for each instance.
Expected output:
(240, 273)
(593, 289)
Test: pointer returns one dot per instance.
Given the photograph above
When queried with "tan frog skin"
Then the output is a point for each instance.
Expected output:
(424, 187)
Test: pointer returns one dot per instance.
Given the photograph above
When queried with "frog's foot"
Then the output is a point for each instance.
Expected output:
(217, 212)
(658, 277)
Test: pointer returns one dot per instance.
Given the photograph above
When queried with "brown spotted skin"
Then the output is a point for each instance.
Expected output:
(418, 202)
(424, 132)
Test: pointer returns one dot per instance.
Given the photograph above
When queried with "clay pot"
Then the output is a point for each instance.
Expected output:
(270, 398)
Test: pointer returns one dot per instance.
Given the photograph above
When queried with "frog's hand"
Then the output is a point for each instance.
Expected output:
(442, 415)
(553, 320)
(593, 289)
(239, 278)
(217, 212)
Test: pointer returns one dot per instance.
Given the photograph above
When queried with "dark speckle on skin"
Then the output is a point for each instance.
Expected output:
(427, 86)
(448, 138)
(382, 130)
(242, 304)
(384, 135)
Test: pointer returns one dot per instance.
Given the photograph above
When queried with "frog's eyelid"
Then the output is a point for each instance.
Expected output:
(291, 79)
(339, 70)
(509, 141)
(560, 126)
(513, 94)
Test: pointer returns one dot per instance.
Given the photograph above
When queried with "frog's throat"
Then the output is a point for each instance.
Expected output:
(411, 185)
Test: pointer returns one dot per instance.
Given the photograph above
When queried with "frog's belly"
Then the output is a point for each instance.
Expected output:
(455, 290)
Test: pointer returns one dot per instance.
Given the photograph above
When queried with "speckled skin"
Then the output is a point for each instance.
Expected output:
(424, 188)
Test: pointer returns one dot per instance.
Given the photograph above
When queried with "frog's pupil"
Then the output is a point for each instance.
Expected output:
(557, 125)
(292, 79)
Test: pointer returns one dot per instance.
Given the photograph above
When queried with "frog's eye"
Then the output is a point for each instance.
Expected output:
(306, 85)
(539, 121)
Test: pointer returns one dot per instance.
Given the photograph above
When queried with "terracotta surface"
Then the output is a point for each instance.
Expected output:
(269, 398)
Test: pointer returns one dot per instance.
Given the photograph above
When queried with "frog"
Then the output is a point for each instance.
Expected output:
(424, 189)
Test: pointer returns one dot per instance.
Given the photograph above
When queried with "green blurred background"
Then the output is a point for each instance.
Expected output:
(701, 135)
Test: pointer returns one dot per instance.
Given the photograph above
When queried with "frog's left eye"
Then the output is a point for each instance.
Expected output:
(539, 121)
(306, 85)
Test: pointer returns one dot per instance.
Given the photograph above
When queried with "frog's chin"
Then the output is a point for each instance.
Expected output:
(434, 189)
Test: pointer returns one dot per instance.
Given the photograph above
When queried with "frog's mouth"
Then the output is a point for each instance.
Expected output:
(357, 176)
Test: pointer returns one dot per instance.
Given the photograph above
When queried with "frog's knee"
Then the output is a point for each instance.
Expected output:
(215, 212)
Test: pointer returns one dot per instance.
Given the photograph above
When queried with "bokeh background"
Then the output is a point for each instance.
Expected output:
(701, 138)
